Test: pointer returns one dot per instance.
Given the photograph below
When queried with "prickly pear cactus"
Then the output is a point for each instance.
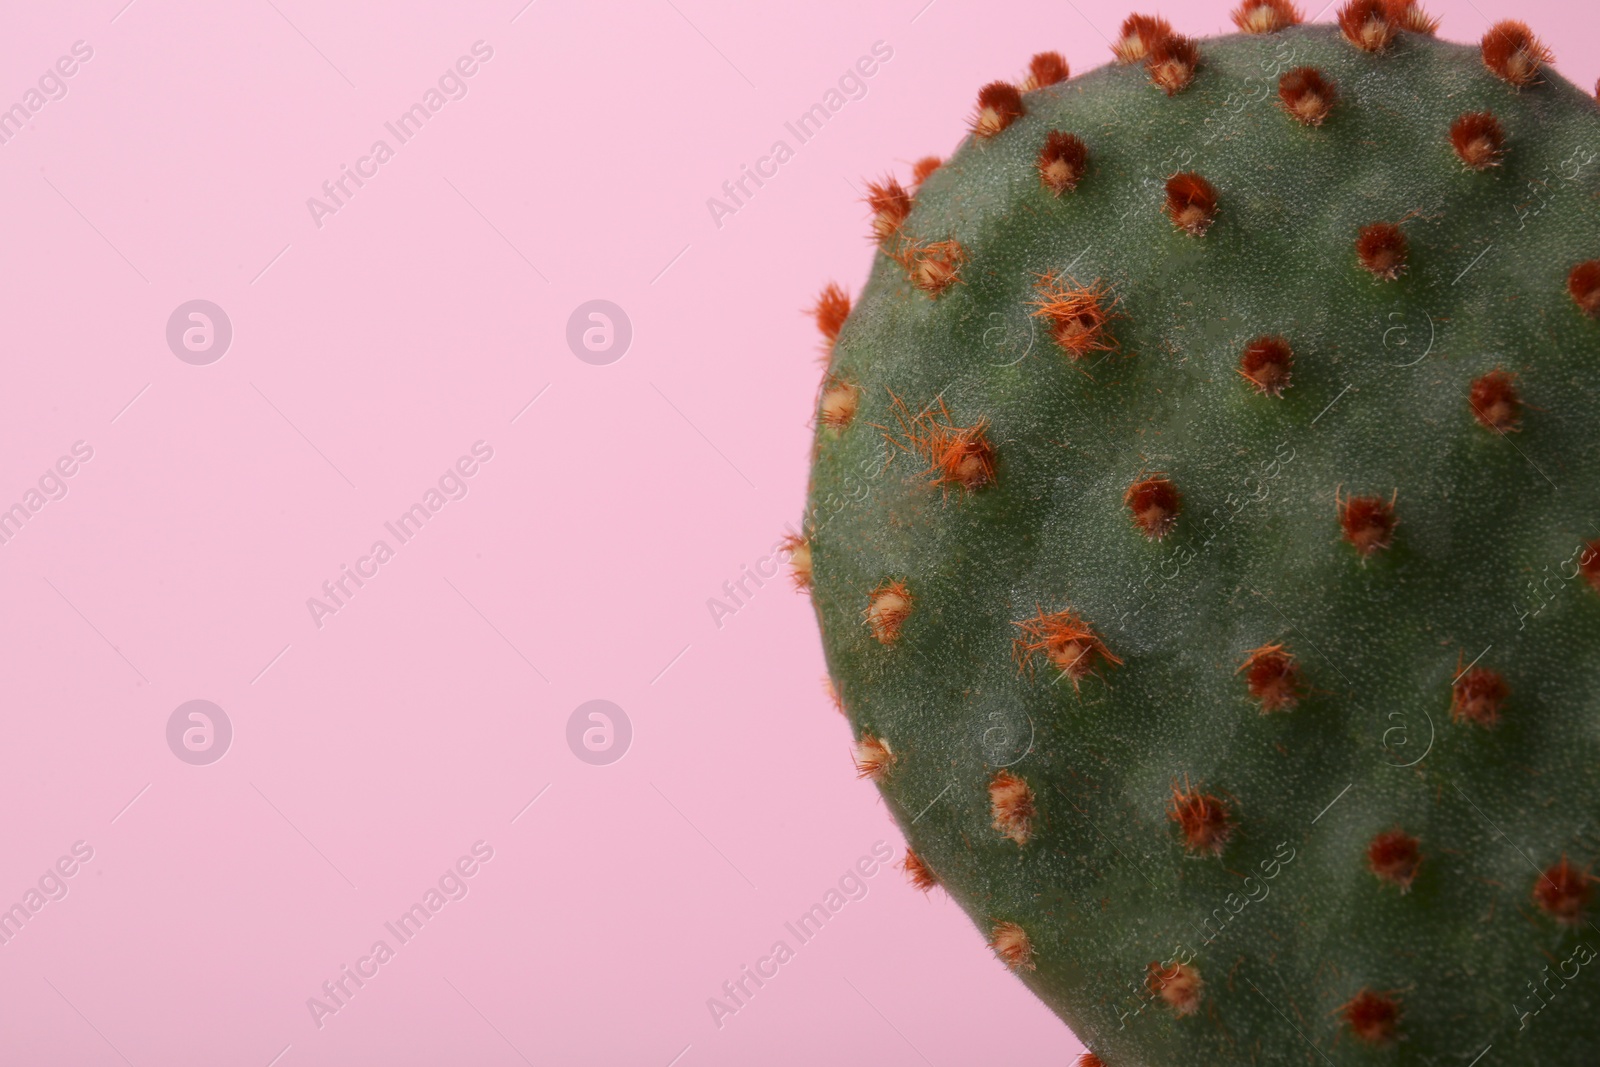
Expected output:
(1205, 534)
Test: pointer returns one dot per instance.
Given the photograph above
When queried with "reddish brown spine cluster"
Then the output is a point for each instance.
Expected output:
(1273, 678)
(799, 550)
(1367, 522)
(1589, 564)
(1140, 34)
(1067, 641)
(1089, 1059)
(1011, 806)
(1406, 15)
(1266, 16)
(1010, 942)
(924, 167)
(888, 608)
(1203, 819)
(1513, 53)
(1046, 69)
(1366, 24)
(1266, 363)
(1583, 285)
(956, 455)
(890, 204)
(840, 399)
(830, 311)
(1172, 62)
(1495, 401)
(1178, 986)
(1078, 314)
(1306, 94)
(917, 872)
(1191, 203)
(1373, 1017)
(1477, 697)
(1062, 161)
(1394, 857)
(1563, 893)
(1154, 503)
(1478, 140)
(872, 757)
(934, 267)
(1381, 249)
(999, 105)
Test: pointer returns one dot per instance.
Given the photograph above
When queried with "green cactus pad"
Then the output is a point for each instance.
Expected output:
(1249, 720)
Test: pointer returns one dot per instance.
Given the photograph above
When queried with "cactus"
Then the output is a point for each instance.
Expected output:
(1204, 530)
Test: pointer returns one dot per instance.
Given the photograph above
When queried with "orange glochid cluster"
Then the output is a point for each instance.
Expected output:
(1372, 1017)
(1191, 203)
(1273, 679)
(1266, 363)
(1069, 644)
(1478, 140)
(1367, 522)
(1154, 503)
(1203, 819)
(1495, 402)
(1266, 16)
(1306, 94)
(1062, 161)
(1078, 314)
(1513, 53)
(1394, 856)
(956, 455)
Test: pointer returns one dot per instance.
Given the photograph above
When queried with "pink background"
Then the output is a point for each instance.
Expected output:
(368, 354)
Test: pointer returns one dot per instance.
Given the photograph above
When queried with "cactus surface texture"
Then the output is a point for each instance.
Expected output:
(1204, 529)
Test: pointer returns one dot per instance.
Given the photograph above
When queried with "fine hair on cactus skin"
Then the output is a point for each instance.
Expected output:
(1044, 70)
(1478, 140)
(1372, 1017)
(1069, 643)
(1366, 24)
(1394, 857)
(1583, 284)
(1010, 942)
(1178, 986)
(1307, 95)
(999, 105)
(1513, 53)
(1496, 404)
(1563, 893)
(1381, 249)
(1011, 806)
(1266, 364)
(1273, 678)
(1477, 696)
(1367, 522)
(1140, 34)
(1203, 820)
(1266, 16)
(1062, 161)
(1191, 203)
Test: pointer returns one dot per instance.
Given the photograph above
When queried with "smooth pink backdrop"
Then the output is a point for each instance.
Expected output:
(368, 354)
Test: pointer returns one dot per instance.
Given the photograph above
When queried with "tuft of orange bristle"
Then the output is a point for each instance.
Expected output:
(1178, 986)
(1583, 285)
(1372, 1017)
(956, 455)
(1191, 203)
(1078, 314)
(1011, 806)
(1266, 364)
(1406, 15)
(872, 757)
(1067, 641)
(1306, 94)
(1478, 140)
(1203, 818)
(1140, 34)
(1273, 678)
(1513, 53)
(1010, 942)
(887, 610)
(890, 204)
(1367, 522)
(1172, 62)
(999, 105)
(1266, 16)
(1394, 857)
(1381, 249)
(1046, 69)
(934, 267)
(1062, 161)
(799, 550)
(924, 167)
(1563, 893)
(1495, 401)
(840, 399)
(1089, 1059)
(1366, 24)
(917, 872)
(830, 311)
(1154, 503)
(1477, 697)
